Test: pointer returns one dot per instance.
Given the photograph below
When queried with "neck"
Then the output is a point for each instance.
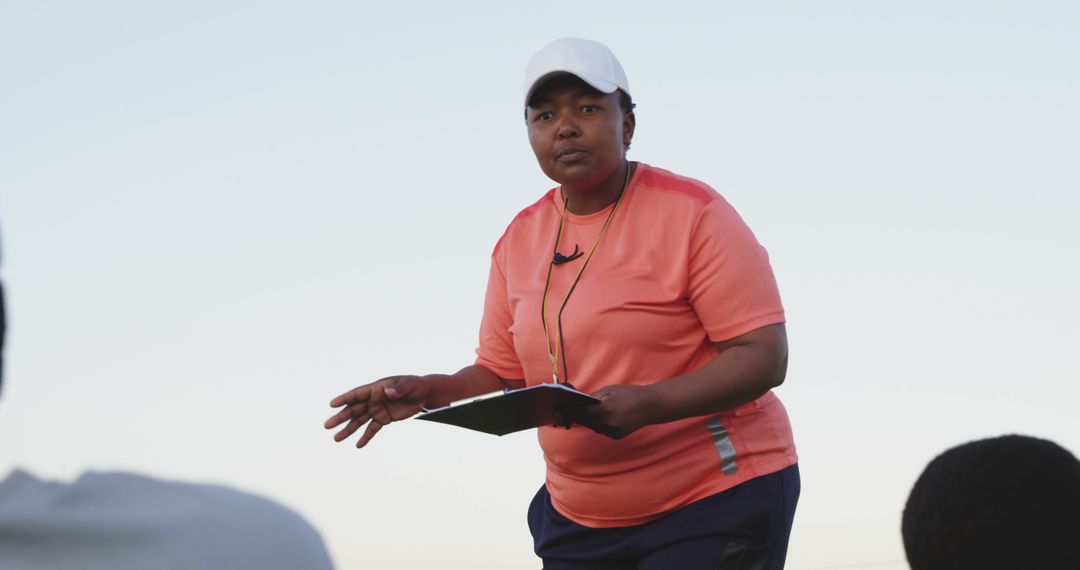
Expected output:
(584, 201)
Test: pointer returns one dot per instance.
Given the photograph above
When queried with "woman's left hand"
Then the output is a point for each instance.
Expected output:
(622, 410)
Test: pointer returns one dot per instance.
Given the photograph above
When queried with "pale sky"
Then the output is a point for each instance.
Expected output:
(218, 215)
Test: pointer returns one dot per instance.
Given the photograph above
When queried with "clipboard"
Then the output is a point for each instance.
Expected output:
(511, 411)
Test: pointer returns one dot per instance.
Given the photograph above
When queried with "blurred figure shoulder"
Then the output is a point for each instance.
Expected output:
(125, 520)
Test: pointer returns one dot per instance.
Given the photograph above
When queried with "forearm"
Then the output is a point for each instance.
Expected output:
(469, 382)
(741, 373)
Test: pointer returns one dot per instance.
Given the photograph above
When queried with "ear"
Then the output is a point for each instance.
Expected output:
(629, 122)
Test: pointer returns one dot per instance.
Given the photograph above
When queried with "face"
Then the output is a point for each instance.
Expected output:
(578, 134)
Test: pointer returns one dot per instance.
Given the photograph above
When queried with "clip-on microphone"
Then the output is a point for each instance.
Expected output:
(560, 259)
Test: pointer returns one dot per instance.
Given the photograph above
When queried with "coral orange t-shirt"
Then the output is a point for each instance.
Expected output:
(676, 270)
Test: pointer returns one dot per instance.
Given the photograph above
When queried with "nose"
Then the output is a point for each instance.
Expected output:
(568, 128)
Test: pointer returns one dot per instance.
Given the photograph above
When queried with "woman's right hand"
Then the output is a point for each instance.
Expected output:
(377, 404)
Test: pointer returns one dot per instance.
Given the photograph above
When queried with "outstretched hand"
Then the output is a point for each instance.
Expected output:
(621, 411)
(375, 405)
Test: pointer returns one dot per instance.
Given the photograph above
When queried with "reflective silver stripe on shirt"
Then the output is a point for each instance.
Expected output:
(724, 447)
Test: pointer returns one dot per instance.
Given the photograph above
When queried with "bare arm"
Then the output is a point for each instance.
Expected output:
(471, 381)
(747, 367)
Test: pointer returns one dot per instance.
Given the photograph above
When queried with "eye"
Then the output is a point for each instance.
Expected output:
(589, 109)
(545, 116)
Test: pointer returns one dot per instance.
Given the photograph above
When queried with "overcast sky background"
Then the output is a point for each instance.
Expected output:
(218, 215)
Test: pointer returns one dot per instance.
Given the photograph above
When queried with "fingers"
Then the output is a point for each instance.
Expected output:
(373, 412)
(356, 401)
(344, 414)
(602, 393)
(350, 428)
(372, 429)
(580, 413)
(390, 385)
(382, 415)
(597, 417)
(356, 395)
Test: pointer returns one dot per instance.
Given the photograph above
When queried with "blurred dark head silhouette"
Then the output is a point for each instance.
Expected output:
(1009, 502)
(3, 327)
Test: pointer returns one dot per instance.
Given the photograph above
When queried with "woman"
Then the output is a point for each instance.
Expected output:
(646, 290)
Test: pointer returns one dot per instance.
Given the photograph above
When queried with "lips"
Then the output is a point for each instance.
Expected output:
(570, 154)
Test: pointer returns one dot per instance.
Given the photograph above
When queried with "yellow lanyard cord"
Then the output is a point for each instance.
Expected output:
(554, 352)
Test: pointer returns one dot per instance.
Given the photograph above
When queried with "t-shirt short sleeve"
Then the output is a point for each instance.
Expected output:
(730, 281)
(496, 350)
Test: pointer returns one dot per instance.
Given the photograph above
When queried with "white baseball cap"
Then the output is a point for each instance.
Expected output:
(591, 61)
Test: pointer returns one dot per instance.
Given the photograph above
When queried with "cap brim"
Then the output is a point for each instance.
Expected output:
(594, 82)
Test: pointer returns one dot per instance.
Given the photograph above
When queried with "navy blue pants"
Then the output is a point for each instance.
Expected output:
(744, 528)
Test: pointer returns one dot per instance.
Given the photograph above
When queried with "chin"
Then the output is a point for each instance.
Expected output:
(584, 175)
